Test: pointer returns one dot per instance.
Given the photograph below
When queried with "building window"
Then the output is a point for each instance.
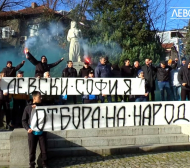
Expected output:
(34, 30)
(5, 32)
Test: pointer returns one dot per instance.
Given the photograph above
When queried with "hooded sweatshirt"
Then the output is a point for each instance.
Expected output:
(184, 76)
(84, 71)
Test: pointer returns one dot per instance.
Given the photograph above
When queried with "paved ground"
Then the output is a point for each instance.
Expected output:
(152, 160)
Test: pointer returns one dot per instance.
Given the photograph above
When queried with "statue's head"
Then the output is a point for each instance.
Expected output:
(73, 24)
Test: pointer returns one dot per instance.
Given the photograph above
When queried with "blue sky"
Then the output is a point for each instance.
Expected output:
(176, 23)
(170, 23)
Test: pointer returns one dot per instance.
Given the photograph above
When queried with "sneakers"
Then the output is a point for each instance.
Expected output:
(10, 128)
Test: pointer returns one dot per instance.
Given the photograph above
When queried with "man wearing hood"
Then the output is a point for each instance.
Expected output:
(184, 80)
(41, 66)
(10, 71)
(85, 70)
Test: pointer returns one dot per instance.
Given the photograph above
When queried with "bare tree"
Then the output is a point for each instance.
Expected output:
(8, 5)
(54, 4)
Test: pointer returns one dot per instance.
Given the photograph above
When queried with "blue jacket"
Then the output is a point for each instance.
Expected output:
(103, 71)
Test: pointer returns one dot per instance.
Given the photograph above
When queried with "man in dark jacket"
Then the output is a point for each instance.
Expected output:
(103, 70)
(85, 70)
(150, 76)
(136, 68)
(163, 76)
(41, 66)
(70, 72)
(116, 74)
(10, 71)
(34, 136)
(184, 80)
(127, 71)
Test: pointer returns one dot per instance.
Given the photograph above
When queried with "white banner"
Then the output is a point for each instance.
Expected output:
(86, 116)
(74, 86)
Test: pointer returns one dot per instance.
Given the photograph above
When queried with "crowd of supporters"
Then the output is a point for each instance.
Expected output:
(173, 79)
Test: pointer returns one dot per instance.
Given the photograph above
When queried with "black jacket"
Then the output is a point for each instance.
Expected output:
(69, 72)
(149, 75)
(41, 68)
(27, 116)
(184, 76)
(127, 71)
(163, 74)
(11, 72)
(84, 71)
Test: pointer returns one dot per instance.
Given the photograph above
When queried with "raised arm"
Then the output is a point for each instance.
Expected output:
(19, 66)
(56, 63)
(31, 58)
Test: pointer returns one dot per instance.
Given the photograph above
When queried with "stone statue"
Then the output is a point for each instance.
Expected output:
(74, 35)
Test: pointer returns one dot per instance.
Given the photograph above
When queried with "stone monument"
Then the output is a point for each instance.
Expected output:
(74, 35)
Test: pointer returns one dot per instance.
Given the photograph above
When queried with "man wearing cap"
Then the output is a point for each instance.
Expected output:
(142, 98)
(10, 71)
(183, 62)
(19, 103)
(163, 75)
(41, 66)
(169, 62)
(90, 98)
(85, 70)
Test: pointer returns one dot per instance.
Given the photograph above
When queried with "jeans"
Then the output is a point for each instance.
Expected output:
(102, 98)
(177, 93)
(162, 87)
(141, 99)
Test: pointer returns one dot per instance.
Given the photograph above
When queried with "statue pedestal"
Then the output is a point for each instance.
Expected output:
(78, 65)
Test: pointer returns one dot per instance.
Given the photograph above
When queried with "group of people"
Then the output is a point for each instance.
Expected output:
(174, 79)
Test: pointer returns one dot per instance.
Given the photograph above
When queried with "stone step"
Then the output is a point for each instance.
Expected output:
(117, 141)
(116, 131)
(4, 164)
(4, 155)
(110, 150)
(5, 135)
(4, 144)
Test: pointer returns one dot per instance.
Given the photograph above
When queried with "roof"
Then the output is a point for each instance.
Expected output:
(28, 11)
(168, 45)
